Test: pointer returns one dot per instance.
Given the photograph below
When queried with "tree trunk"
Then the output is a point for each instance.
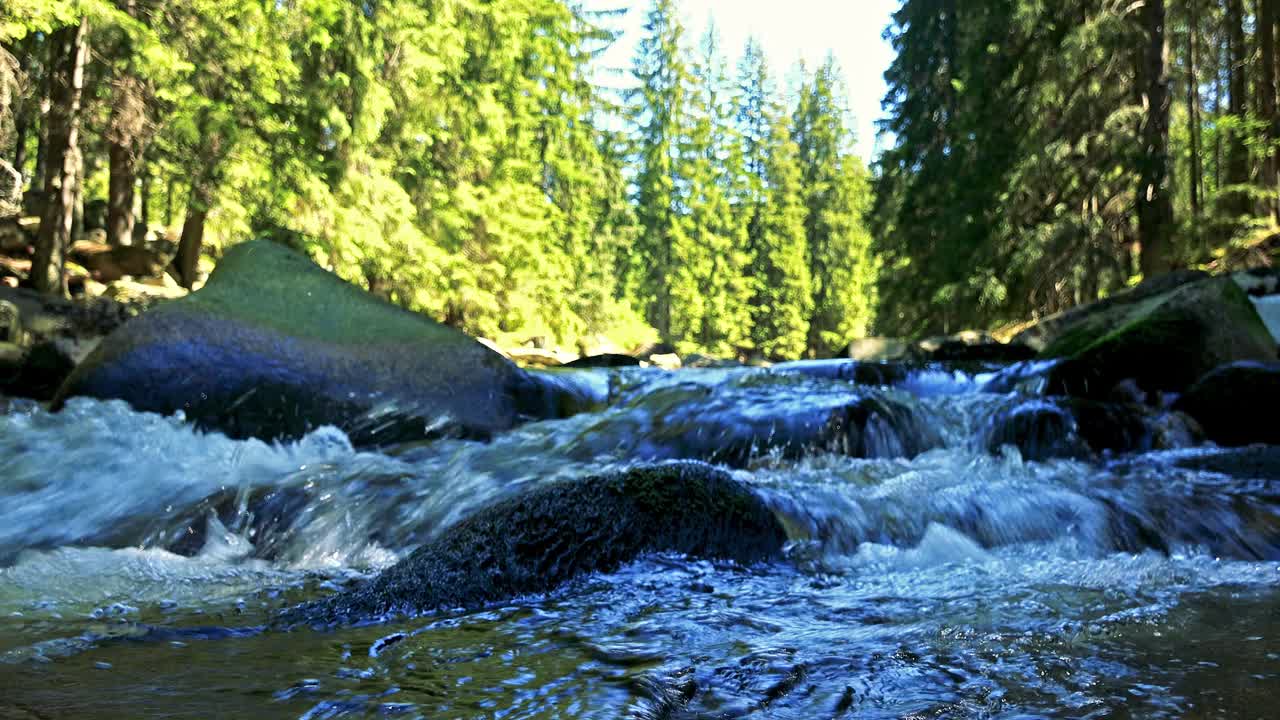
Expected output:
(1236, 202)
(1267, 44)
(67, 54)
(188, 258)
(124, 149)
(144, 202)
(42, 155)
(21, 124)
(1217, 115)
(125, 138)
(1155, 210)
(1193, 113)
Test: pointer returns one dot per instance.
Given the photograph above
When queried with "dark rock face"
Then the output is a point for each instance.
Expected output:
(274, 346)
(536, 541)
(1042, 429)
(734, 423)
(604, 360)
(1164, 343)
(1235, 403)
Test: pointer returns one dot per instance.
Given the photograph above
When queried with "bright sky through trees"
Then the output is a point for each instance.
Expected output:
(788, 30)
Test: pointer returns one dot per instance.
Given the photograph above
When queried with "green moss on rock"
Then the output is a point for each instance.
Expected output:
(274, 346)
(1164, 342)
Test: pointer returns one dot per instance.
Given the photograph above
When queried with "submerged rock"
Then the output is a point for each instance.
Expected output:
(1164, 343)
(274, 346)
(536, 541)
(1260, 462)
(1235, 403)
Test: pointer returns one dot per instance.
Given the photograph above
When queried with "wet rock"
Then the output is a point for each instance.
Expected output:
(1048, 428)
(860, 373)
(605, 360)
(265, 516)
(737, 422)
(1234, 403)
(1164, 343)
(1040, 430)
(538, 540)
(274, 346)
(1260, 462)
(990, 351)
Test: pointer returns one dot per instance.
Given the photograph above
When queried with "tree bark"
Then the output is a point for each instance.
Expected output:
(144, 202)
(124, 149)
(188, 258)
(1155, 210)
(1267, 45)
(1193, 112)
(68, 52)
(1237, 200)
(125, 139)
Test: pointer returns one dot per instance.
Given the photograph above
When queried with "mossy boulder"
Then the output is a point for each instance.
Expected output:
(274, 346)
(536, 541)
(1235, 404)
(1164, 342)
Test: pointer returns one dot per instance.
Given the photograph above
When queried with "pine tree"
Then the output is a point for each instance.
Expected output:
(658, 110)
(709, 291)
(836, 198)
(773, 204)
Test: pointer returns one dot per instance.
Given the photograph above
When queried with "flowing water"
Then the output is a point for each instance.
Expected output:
(930, 574)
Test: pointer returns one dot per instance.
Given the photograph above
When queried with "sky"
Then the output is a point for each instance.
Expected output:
(789, 30)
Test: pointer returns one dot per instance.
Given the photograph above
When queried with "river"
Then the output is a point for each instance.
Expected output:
(139, 560)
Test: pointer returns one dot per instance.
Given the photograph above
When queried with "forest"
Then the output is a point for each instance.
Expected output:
(461, 158)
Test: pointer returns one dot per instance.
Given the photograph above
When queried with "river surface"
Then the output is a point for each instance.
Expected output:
(139, 560)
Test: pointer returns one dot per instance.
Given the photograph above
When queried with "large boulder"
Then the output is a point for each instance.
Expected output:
(274, 346)
(1164, 342)
(1046, 331)
(536, 541)
(1236, 403)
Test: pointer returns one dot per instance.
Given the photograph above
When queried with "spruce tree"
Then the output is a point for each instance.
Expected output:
(775, 212)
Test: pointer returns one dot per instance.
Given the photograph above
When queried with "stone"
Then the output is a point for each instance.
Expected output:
(1044, 333)
(1235, 403)
(274, 347)
(1258, 462)
(606, 360)
(1047, 428)
(666, 361)
(544, 537)
(880, 349)
(854, 371)
(1163, 343)
(734, 423)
